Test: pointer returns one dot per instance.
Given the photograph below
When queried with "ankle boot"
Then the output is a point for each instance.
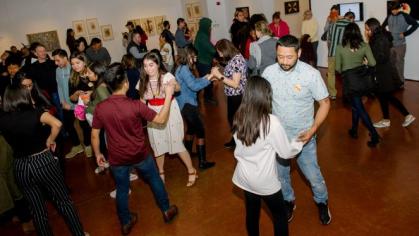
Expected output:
(203, 163)
(188, 145)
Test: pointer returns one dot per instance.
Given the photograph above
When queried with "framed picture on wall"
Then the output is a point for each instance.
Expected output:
(291, 7)
(92, 26)
(196, 10)
(189, 14)
(193, 29)
(79, 27)
(159, 23)
(107, 32)
(136, 22)
(148, 26)
(49, 39)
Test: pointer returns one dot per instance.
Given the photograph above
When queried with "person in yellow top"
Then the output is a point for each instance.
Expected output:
(310, 27)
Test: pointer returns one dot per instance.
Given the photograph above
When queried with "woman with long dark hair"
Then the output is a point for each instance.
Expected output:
(351, 57)
(188, 103)
(80, 89)
(234, 78)
(166, 138)
(36, 169)
(386, 74)
(71, 41)
(260, 138)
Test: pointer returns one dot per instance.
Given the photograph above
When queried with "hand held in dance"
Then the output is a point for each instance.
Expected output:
(305, 136)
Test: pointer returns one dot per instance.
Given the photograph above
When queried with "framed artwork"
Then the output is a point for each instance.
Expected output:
(148, 26)
(79, 28)
(159, 23)
(196, 10)
(107, 32)
(136, 22)
(193, 29)
(92, 26)
(245, 11)
(189, 13)
(291, 7)
(49, 39)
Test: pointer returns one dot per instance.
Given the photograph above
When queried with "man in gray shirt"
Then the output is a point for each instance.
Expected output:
(400, 25)
(296, 86)
(180, 39)
(97, 53)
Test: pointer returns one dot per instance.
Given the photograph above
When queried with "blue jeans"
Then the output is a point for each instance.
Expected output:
(148, 170)
(307, 161)
(358, 111)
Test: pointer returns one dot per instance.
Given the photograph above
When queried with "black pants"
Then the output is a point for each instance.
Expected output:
(275, 203)
(38, 174)
(387, 98)
(87, 131)
(204, 69)
(233, 103)
(358, 111)
(193, 120)
(68, 123)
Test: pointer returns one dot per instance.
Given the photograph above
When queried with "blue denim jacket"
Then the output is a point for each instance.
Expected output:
(189, 86)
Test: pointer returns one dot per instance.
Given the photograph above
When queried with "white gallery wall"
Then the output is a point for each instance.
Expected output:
(372, 8)
(20, 17)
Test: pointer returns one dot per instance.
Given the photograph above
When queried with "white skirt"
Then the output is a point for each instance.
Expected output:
(168, 137)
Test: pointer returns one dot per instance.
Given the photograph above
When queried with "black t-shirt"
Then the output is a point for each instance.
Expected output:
(24, 131)
(44, 75)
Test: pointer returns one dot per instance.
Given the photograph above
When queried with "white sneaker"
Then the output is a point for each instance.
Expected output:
(113, 193)
(408, 120)
(384, 123)
(133, 177)
(88, 151)
(74, 151)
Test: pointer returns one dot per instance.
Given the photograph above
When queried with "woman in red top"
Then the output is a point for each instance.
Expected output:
(278, 27)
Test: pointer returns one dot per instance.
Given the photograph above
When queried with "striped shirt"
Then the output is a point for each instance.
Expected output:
(336, 35)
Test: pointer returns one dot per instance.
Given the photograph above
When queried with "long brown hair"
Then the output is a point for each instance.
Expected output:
(75, 76)
(144, 78)
(227, 48)
(253, 111)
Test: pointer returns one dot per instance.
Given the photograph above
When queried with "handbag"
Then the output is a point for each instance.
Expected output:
(359, 81)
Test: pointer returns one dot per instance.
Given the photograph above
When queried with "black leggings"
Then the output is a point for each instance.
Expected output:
(68, 123)
(275, 203)
(387, 98)
(193, 120)
(233, 103)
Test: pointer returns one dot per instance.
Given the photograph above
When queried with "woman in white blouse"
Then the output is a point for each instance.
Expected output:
(260, 138)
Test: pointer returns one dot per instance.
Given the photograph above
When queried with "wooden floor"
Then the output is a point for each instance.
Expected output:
(371, 191)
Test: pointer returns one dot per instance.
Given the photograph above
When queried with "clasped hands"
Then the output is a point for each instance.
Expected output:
(215, 74)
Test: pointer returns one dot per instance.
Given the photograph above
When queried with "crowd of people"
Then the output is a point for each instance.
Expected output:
(110, 109)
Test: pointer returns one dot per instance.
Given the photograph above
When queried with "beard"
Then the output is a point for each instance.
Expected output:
(288, 67)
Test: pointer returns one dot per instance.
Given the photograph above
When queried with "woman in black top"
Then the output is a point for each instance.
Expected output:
(35, 168)
(386, 74)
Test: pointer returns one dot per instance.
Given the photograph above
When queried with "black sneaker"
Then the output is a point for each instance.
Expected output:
(324, 213)
(289, 208)
(126, 229)
(230, 145)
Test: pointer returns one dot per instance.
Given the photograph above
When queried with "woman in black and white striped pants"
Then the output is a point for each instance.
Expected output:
(37, 171)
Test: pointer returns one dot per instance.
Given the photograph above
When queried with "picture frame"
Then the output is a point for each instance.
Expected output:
(158, 20)
(148, 26)
(193, 29)
(136, 22)
(189, 13)
(291, 7)
(92, 26)
(49, 39)
(196, 10)
(107, 32)
(79, 27)
(245, 11)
